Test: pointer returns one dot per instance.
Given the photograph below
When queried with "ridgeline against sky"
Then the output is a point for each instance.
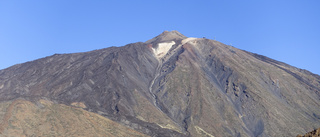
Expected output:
(284, 30)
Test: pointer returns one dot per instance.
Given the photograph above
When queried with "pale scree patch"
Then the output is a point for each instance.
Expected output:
(187, 40)
(163, 49)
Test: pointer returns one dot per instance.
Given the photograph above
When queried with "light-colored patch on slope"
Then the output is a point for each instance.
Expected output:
(202, 132)
(163, 49)
(79, 104)
(188, 40)
(141, 118)
(169, 126)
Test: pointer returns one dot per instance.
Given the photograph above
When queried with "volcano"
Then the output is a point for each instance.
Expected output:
(170, 85)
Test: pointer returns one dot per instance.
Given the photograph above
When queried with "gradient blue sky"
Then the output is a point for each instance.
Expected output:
(288, 31)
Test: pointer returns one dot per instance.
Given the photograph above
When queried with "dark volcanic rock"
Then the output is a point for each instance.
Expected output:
(172, 85)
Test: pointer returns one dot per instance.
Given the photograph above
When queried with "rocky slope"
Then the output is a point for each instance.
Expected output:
(45, 118)
(173, 85)
(314, 133)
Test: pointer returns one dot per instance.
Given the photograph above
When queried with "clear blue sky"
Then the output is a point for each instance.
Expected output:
(288, 31)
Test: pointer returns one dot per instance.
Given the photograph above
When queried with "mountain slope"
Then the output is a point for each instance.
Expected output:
(172, 85)
(45, 118)
(314, 133)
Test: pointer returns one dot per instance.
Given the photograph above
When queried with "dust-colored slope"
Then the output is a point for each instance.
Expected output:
(45, 118)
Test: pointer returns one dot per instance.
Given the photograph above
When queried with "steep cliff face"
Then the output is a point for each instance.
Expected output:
(172, 85)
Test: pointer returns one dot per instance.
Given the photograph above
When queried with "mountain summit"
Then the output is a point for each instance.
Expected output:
(167, 36)
(170, 85)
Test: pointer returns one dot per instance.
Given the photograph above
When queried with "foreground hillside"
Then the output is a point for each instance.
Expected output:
(45, 118)
(171, 85)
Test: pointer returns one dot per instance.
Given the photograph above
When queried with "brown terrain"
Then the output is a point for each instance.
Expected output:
(45, 118)
(170, 85)
(314, 133)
